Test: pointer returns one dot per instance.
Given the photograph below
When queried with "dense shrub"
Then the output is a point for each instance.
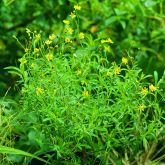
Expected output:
(75, 98)
(82, 95)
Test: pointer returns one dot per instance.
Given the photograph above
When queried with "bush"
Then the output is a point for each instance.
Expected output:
(76, 99)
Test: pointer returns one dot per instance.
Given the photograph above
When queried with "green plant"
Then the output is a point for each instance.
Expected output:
(7, 136)
(75, 98)
(135, 25)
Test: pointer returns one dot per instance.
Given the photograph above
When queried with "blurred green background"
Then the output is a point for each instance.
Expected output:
(137, 28)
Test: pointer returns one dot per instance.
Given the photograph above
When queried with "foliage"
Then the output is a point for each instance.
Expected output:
(82, 89)
(136, 26)
(15, 16)
(78, 99)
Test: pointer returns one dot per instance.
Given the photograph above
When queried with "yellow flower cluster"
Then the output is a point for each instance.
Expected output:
(107, 41)
(144, 90)
(76, 7)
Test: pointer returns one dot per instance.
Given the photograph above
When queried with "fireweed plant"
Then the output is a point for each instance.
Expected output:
(75, 98)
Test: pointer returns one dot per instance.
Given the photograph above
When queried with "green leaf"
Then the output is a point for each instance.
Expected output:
(145, 144)
(150, 3)
(14, 70)
(123, 24)
(9, 150)
(8, 2)
(111, 20)
(156, 77)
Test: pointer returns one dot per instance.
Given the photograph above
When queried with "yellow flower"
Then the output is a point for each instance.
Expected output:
(49, 57)
(77, 7)
(36, 50)
(72, 15)
(152, 88)
(109, 74)
(107, 48)
(22, 61)
(48, 42)
(39, 91)
(107, 41)
(52, 36)
(144, 91)
(85, 93)
(81, 35)
(38, 36)
(78, 72)
(124, 60)
(66, 22)
(141, 107)
(70, 30)
(68, 40)
(117, 70)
